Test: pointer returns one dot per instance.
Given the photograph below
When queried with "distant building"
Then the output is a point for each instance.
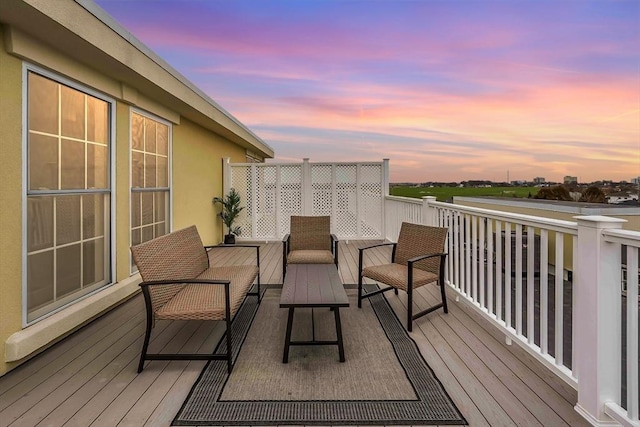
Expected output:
(570, 179)
(538, 180)
(622, 198)
(636, 180)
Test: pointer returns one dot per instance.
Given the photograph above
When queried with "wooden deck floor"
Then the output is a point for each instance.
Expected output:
(90, 377)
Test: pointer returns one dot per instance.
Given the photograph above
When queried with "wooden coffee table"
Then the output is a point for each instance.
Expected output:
(313, 285)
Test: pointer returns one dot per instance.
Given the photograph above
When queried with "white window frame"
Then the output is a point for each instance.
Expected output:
(26, 68)
(132, 270)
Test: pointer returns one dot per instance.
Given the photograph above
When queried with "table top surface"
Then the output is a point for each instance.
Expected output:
(313, 285)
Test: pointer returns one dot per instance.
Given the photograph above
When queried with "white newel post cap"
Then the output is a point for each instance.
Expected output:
(429, 213)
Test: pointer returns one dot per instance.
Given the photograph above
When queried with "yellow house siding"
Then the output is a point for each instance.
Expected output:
(103, 58)
(197, 178)
(10, 196)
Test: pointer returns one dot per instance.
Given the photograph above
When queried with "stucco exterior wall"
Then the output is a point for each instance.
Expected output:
(196, 175)
(10, 196)
(197, 178)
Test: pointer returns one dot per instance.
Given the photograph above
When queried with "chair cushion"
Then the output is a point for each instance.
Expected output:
(198, 301)
(396, 275)
(310, 257)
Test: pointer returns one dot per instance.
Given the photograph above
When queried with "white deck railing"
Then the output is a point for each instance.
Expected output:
(559, 289)
(574, 269)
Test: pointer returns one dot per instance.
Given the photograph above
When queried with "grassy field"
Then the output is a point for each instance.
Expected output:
(446, 193)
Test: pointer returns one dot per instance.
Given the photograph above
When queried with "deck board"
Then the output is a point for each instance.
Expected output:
(90, 377)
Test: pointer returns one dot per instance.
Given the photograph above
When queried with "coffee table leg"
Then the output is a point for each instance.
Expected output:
(336, 313)
(287, 338)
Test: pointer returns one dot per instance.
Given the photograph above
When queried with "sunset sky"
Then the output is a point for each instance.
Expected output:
(448, 90)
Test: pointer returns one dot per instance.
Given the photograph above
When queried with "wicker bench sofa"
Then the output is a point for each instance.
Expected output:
(179, 284)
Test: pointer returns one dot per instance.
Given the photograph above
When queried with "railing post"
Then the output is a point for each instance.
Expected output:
(307, 188)
(385, 177)
(429, 213)
(597, 330)
(226, 175)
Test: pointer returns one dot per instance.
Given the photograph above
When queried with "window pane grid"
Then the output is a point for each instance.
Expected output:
(68, 217)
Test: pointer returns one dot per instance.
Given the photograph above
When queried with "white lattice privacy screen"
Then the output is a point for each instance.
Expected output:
(351, 193)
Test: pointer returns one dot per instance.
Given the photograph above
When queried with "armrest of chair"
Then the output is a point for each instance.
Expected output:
(147, 296)
(421, 257)
(182, 281)
(334, 247)
(411, 261)
(257, 248)
(286, 240)
(361, 253)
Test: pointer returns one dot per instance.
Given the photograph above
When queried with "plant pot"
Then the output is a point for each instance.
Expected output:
(229, 239)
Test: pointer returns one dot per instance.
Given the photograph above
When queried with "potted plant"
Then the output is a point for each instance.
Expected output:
(230, 210)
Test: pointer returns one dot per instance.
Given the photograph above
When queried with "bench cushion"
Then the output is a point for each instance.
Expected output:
(396, 275)
(206, 301)
(310, 257)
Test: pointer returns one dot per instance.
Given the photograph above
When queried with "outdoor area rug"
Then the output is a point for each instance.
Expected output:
(384, 380)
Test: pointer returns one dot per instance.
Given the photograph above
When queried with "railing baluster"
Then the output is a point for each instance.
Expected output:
(450, 241)
(574, 322)
(489, 268)
(467, 254)
(559, 291)
(518, 279)
(531, 251)
(544, 291)
(482, 259)
(632, 338)
(458, 247)
(474, 257)
(507, 273)
(498, 270)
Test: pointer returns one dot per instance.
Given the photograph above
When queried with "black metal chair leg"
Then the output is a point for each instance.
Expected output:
(145, 346)
(409, 308)
(228, 321)
(360, 279)
(444, 296)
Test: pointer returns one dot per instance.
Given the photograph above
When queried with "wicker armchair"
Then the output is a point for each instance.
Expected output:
(417, 259)
(179, 284)
(309, 242)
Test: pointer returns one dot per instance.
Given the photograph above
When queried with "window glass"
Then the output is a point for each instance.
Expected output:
(72, 105)
(97, 120)
(150, 186)
(68, 195)
(40, 223)
(72, 165)
(67, 219)
(97, 163)
(43, 105)
(68, 262)
(43, 162)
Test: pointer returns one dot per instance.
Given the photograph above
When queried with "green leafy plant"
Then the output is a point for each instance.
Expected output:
(230, 210)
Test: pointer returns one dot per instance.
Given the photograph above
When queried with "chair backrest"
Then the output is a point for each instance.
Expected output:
(310, 233)
(177, 255)
(415, 240)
